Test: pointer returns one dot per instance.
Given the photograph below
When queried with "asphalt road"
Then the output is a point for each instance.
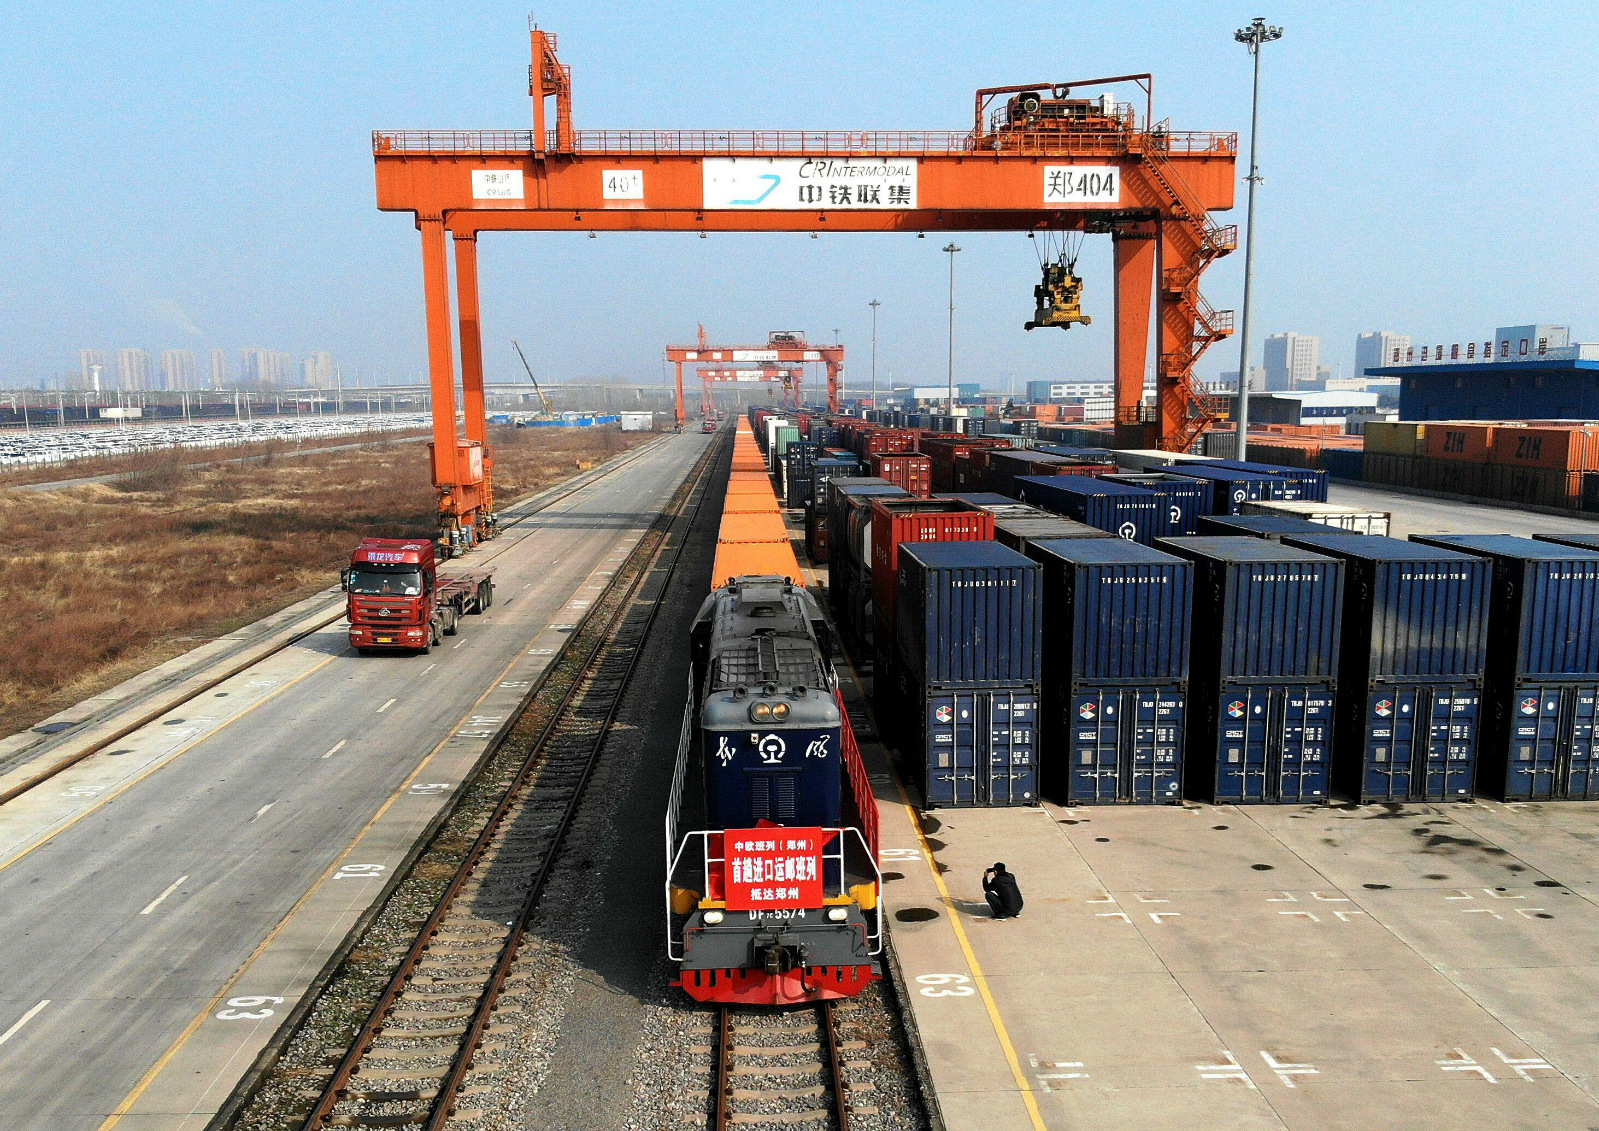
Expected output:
(119, 926)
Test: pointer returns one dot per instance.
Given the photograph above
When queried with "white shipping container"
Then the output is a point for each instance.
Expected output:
(638, 421)
(1153, 459)
(1327, 514)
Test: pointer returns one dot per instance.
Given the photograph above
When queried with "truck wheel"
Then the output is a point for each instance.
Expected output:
(451, 622)
(488, 594)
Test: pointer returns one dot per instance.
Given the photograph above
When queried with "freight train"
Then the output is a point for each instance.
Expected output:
(771, 830)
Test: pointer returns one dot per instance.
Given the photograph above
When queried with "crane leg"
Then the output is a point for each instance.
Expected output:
(682, 415)
(1135, 286)
(441, 377)
(473, 404)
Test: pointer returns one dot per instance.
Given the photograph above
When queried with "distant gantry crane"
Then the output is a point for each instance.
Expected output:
(783, 348)
(791, 380)
(1048, 160)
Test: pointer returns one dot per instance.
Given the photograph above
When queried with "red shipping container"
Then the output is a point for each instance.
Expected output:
(907, 470)
(944, 451)
(895, 521)
(1557, 449)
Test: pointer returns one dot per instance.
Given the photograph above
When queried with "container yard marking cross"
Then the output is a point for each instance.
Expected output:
(1286, 1072)
(1044, 1078)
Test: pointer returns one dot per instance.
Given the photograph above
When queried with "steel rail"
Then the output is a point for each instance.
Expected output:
(442, 1102)
(829, 1056)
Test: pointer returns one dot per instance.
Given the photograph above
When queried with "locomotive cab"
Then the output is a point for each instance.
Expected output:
(773, 893)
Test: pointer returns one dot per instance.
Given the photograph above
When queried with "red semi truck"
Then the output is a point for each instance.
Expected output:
(398, 601)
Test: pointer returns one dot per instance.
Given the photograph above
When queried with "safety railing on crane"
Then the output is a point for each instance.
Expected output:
(880, 143)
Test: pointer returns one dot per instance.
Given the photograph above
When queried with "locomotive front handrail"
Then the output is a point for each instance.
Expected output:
(674, 803)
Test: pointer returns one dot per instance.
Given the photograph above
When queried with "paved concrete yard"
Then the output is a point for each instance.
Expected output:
(1419, 514)
(1358, 968)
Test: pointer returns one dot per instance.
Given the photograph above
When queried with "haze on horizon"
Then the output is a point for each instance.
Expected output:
(180, 175)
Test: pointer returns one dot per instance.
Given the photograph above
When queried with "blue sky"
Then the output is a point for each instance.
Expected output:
(198, 175)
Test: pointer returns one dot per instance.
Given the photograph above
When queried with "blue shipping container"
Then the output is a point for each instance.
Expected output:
(1235, 488)
(1263, 667)
(1127, 512)
(1542, 678)
(1186, 498)
(1312, 480)
(975, 746)
(839, 563)
(968, 616)
(1114, 670)
(1412, 654)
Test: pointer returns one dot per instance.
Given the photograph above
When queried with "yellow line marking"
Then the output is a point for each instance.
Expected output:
(100, 800)
(1029, 1098)
(183, 1038)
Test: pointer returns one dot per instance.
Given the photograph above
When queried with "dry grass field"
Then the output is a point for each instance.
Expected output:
(104, 580)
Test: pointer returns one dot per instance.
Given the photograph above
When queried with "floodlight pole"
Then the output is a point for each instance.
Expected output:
(1254, 37)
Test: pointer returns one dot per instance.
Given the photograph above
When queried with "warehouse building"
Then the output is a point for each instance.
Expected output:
(1528, 372)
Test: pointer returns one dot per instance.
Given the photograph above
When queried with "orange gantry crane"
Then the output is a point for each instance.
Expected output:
(782, 348)
(1046, 159)
(792, 381)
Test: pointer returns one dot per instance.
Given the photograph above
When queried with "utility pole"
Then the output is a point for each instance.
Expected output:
(950, 405)
(1254, 37)
(874, 304)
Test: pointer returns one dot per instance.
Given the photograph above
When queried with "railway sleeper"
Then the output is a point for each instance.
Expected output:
(786, 1118)
(812, 1069)
(778, 1093)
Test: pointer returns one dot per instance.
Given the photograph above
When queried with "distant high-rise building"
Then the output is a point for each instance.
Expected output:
(1257, 378)
(219, 369)
(1290, 360)
(265, 367)
(317, 370)
(1379, 348)
(133, 368)
(180, 369)
(92, 364)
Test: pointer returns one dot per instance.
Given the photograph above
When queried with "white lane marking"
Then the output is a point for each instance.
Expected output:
(23, 1020)
(430, 667)
(386, 706)
(458, 643)
(336, 748)
(156, 902)
(261, 812)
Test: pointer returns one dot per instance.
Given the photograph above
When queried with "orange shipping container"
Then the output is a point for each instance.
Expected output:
(1465, 440)
(745, 559)
(1558, 449)
(758, 526)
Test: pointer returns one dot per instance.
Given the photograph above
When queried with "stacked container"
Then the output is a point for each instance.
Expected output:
(1414, 644)
(824, 469)
(1081, 455)
(1273, 526)
(1234, 488)
(1356, 520)
(910, 470)
(942, 453)
(1018, 530)
(1003, 466)
(840, 563)
(1262, 669)
(1542, 680)
(966, 637)
(798, 460)
(1127, 512)
(1114, 670)
(1186, 498)
(1310, 481)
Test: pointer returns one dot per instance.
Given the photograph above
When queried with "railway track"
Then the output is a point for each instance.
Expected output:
(423, 1045)
(780, 1068)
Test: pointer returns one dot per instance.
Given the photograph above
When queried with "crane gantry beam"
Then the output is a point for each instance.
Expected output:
(1050, 160)
(782, 348)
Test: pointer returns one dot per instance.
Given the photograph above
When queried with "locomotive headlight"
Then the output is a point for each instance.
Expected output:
(779, 711)
(837, 914)
(760, 712)
(712, 918)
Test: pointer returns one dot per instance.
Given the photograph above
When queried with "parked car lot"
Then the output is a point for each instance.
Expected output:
(45, 446)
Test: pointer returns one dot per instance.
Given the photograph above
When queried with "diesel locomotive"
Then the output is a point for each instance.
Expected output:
(771, 832)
